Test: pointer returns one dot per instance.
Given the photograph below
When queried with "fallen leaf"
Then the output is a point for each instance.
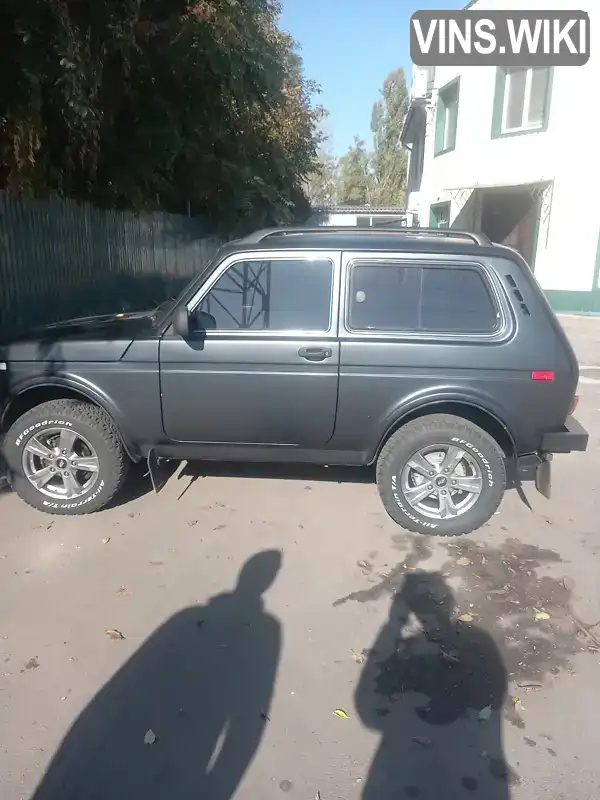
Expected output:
(106, 540)
(265, 716)
(485, 713)
(150, 737)
(530, 685)
(424, 741)
(33, 663)
(358, 657)
(542, 615)
(122, 590)
(463, 562)
(113, 634)
(466, 618)
(339, 712)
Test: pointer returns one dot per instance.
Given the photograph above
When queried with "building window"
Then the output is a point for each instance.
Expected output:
(446, 118)
(394, 297)
(439, 215)
(522, 100)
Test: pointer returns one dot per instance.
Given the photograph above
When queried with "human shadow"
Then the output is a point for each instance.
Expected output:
(436, 694)
(185, 715)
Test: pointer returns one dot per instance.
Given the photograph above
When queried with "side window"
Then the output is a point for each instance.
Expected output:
(384, 297)
(456, 300)
(280, 295)
(393, 297)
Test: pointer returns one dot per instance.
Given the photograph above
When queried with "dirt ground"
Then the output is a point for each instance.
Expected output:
(253, 634)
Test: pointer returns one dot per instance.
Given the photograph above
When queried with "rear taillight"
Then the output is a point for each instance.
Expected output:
(542, 375)
(574, 404)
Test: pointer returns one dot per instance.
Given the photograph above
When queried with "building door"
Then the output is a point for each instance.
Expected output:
(439, 216)
(510, 217)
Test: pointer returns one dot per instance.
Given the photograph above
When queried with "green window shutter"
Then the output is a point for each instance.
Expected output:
(433, 217)
(498, 102)
(440, 117)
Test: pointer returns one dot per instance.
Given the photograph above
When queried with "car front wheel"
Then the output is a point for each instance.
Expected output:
(65, 457)
(441, 475)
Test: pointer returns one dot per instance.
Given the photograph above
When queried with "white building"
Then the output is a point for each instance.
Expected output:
(515, 154)
(360, 216)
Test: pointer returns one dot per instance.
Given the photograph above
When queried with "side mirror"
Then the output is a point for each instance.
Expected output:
(181, 322)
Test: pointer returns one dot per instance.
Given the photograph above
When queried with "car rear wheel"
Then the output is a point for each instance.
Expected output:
(441, 475)
(65, 457)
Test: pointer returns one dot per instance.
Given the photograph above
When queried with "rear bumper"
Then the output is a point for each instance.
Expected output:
(536, 466)
(573, 437)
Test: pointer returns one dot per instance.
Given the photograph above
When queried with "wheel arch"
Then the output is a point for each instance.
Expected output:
(467, 410)
(35, 394)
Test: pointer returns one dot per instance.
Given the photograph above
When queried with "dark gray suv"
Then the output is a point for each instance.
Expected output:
(432, 354)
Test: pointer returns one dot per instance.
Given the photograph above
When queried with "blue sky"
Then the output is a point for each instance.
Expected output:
(348, 47)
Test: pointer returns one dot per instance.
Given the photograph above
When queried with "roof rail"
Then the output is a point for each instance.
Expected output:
(478, 238)
(259, 236)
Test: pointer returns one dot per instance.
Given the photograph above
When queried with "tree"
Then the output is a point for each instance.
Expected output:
(389, 158)
(356, 178)
(322, 184)
(169, 104)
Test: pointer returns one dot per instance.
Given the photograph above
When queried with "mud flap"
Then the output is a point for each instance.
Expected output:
(159, 469)
(4, 482)
(543, 482)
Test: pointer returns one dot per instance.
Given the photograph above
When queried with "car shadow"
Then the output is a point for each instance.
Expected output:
(434, 687)
(281, 471)
(184, 717)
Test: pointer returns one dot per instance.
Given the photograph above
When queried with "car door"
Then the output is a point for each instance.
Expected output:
(261, 365)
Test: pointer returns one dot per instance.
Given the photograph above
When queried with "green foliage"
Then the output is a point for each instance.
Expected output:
(322, 184)
(376, 178)
(390, 160)
(356, 178)
(171, 104)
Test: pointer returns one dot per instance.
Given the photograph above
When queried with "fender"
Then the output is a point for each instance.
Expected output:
(421, 401)
(84, 388)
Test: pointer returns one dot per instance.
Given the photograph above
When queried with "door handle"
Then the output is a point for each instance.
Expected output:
(315, 353)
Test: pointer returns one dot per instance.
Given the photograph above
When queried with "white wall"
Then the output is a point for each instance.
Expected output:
(340, 219)
(566, 153)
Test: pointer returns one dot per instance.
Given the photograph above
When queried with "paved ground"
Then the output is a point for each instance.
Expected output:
(216, 691)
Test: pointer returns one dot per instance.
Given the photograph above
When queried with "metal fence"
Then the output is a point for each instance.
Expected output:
(61, 259)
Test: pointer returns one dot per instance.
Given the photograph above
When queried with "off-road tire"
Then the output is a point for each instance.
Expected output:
(97, 427)
(440, 429)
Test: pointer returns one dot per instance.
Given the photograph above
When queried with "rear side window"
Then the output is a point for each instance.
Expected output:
(394, 297)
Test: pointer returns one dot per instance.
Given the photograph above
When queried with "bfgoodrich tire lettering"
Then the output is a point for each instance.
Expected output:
(445, 431)
(83, 420)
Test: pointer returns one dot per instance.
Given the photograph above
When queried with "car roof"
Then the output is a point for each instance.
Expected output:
(437, 240)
